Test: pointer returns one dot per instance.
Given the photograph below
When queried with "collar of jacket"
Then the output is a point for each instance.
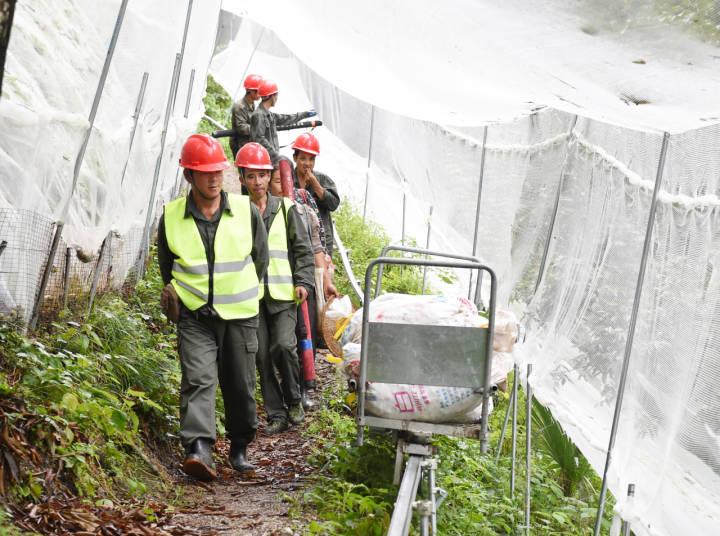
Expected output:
(190, 204)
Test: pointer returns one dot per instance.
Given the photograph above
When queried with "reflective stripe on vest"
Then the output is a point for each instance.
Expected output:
(235, 284)
(279, 275)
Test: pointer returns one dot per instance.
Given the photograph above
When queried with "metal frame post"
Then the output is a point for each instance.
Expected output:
(625, 526)
(551, 227)
(505, 423)
(404, 212)
(427, 246)
(514, 429)
(158, 165)
(528, 445)
(369, 160)
(247, 66)
(46, 274)
(477, 211)
(66, 277)
(96, 102)
(631, 331)
(189, 94)
(188, 14)
(136, 117)
(96, 276)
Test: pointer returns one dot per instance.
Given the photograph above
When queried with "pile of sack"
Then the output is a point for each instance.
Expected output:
(425, 403)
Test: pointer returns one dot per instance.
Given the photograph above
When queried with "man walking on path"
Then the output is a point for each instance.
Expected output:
(290, 278)
(264, 123)
(212, 251)
(241, 112)
(321, 187)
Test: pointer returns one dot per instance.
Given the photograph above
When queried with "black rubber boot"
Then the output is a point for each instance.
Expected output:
(198, 460)
(238, 460)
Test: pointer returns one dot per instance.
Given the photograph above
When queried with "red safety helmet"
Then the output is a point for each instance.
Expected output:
(307, 143)
(253, 156)
(267, 88)
(203, 153)
(252, 82)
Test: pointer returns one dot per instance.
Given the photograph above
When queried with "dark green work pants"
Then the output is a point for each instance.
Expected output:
(213, 349)
(277, 350)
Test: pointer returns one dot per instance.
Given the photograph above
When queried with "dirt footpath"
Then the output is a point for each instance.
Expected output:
(256, 506)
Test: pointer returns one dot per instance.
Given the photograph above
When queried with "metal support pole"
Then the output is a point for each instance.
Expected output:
(247, 66)
(369, 161)
(98, 267)
(189, 95)
(548, 239)
(46, 275)
(96, 101)
(528, 445)
(66, 277)
(402, 513)
(631, 331)
(505, 423)
(182, 46)
(477, 211)
(433, 498)
(136, 117)
(427, 246)
(404, 212)
(514, 429)
(158, 164)
(625, 526)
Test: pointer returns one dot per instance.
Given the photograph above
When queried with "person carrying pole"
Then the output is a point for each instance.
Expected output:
(264, 123)
(323, 282)
(289, 279)
(321, 187)
(241, 112)
(213, 252)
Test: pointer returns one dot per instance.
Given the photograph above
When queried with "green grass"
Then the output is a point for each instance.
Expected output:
(218, 104)
(82, 400)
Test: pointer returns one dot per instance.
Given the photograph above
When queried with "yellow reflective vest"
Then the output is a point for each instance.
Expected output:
(279, 274)
(234, 281)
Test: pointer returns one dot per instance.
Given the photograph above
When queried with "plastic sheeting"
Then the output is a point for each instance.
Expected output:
(53, 67)
(572, 180)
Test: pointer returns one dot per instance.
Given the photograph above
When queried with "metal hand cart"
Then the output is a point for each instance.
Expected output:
(450, 356)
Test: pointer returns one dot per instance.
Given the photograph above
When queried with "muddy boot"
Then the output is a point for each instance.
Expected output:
(276, 426)
(198, 460)
(238, 459)
(296, 413)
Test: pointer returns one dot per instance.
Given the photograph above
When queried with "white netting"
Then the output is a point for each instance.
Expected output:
(601, 174)
(53, 66)
(583, 91)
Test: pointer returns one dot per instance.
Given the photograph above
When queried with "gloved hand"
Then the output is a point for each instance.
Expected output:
(170, 303)
(310, 113)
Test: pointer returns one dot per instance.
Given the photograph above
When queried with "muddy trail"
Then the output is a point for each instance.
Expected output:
(257, 506)
(231, 505)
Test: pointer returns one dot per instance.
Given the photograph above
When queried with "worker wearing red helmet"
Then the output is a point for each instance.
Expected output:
(213, 254)
(264, 123)
(290, 279)
(322, 188)
(241, 112)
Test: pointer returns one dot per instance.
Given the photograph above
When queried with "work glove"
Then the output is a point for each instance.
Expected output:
(310, 113)
(169, 303)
